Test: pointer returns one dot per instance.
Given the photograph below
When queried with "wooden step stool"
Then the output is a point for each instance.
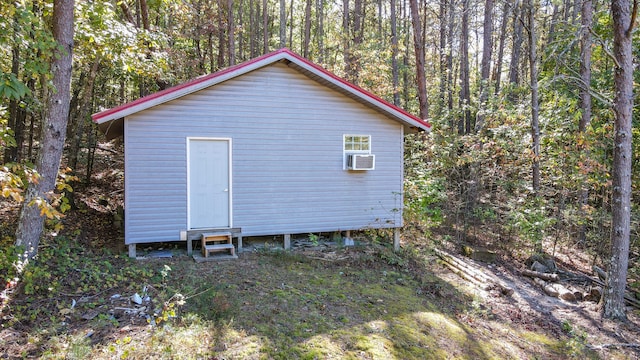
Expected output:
(217, 241)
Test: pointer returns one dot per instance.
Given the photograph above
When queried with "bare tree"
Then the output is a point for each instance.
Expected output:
(623, 23)
(31, 221)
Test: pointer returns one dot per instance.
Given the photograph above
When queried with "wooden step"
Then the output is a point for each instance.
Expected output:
(216, 233)
(217, 241)
(218, 247)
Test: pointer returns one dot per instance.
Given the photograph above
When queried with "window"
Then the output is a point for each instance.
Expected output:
(357, 143)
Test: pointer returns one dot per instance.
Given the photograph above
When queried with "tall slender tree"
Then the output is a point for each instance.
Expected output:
(307, 28)
(535, 124)
(265, 27)
(485, 72)
(283, 23)
(464, 125)
(497, 71)
(231, 28)
(394, 55)
(585, 99)
(442, 15)
(418, 44)
(616, 282)
(31, 223)
(516, 48)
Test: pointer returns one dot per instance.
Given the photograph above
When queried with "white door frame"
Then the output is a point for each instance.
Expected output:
(229, 147)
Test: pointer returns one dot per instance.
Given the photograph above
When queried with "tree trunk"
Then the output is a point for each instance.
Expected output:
(283, 23)
(253, 14)
(614, 307)
(221, 33)
(497, 72)
(291, 25)
(487, 47)
(450, 71)
(320, 30)
(31, 222)
(241, 45)
(85, 109)
(11, 153)
(552, 27)
(356, 40)
(514, 77)
(535, 125)
(405, 55)
(379, 23)
(443, 51)
(464, 126)
(585, 103)
(307, 29)
(418, 44)
(265, 27)
(345, 38)
(144, 14)
(394, 56)
(231, 27)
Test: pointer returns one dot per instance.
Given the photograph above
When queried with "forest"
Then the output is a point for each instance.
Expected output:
(533, 145)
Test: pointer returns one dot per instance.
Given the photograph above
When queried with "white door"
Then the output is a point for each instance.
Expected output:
(209, 190)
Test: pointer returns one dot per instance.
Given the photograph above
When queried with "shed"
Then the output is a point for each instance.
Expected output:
(273, 146)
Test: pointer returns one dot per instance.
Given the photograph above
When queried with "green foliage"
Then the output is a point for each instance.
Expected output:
(62, 263)
(315, 239)
(11, 88)
(531, 219)
(9, 256)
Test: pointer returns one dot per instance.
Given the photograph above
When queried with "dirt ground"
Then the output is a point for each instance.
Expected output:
(530, 307)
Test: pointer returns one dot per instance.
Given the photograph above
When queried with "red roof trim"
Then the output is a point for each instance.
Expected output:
(206, 78)
(357, 88)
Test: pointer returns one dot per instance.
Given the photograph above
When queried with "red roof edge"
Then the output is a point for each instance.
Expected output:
(105, 113)
(357, 88)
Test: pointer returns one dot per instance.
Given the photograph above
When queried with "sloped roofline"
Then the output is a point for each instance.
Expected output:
(202, 82)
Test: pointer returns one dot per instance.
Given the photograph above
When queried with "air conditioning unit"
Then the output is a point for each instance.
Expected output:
(361, 162)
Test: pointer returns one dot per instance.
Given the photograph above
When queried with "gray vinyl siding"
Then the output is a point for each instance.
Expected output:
(287, 158)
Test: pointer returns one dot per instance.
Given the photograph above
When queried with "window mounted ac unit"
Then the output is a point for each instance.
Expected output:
(362, 162)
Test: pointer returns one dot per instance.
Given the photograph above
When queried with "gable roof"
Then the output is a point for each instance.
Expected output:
(110, 120)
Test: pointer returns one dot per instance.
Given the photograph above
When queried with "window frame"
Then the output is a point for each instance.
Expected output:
(346, 152)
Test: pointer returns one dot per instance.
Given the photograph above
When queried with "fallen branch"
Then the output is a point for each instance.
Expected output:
(540, 275)
(100, 147)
